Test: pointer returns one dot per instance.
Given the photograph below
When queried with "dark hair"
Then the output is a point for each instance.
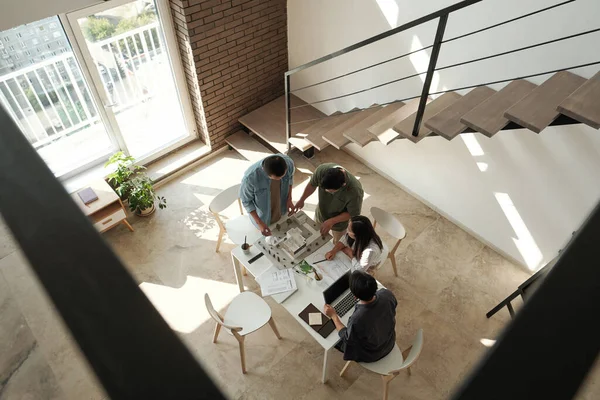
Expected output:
(363, 234)
(362, 285)
(333, 179)
(275, 166)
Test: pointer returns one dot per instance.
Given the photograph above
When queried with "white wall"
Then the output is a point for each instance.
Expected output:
(520, 192)
(14, 12)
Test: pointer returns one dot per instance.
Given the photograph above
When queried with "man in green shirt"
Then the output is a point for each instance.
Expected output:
(340, 198)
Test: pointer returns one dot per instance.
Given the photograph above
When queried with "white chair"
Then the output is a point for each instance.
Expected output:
(393, 227)
(391, 365)
(238, 227)
(247, 313)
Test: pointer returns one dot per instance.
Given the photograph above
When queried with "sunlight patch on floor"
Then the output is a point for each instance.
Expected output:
(183, 308)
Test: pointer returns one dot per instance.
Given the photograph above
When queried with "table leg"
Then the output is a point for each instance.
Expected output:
(238, 273)
(325, 358)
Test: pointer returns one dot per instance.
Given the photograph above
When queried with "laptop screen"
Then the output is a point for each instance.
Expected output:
(337, 289)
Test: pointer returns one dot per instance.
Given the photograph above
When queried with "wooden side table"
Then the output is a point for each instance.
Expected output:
(106, 212)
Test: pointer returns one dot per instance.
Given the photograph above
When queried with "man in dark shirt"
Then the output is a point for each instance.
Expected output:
(370, 334)
(340, 198)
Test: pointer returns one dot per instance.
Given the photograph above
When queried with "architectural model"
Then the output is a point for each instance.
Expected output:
(293, 238)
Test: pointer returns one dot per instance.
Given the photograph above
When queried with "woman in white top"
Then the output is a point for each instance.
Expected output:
(361, 243)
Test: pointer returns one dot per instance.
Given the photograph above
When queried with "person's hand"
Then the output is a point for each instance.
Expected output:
(264, 229)
(299, 206)
(326, 227)
(290, 207)
(330, 255)
(329, 311)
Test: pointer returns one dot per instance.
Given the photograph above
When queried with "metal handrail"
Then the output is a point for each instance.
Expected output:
(442, 15)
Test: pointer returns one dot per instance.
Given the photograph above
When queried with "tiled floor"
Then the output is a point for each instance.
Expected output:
(447, 281)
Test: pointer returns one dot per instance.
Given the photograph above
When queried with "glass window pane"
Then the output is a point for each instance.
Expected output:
(49, 100)
(128, 48)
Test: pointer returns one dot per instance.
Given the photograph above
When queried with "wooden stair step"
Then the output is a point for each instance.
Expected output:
(447, 122)
(359, 133)
(488, 118)
(248, 147)
(405, 127)
(383, 129)
(314, 133)
(583, 105)
(336, 137)
(268, 122)
(538, 109)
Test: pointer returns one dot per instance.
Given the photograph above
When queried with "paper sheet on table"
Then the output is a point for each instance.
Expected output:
(274, 281)
(331, 270)
(315, 319)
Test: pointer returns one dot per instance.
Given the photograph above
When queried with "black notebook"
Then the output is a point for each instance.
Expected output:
(325, 327)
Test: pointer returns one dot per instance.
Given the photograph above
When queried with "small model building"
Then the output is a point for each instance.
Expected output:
(294, 242)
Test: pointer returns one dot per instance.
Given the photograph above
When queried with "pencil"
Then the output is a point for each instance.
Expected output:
(316, 262)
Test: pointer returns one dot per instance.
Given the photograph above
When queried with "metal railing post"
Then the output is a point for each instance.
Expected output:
(288, 113)
(437, 44)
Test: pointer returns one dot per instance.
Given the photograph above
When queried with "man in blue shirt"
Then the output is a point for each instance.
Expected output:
(266, 190)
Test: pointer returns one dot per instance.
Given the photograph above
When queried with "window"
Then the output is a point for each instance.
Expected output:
(23, 45)
(49, 47)
(27, 52)
(3, 52)
(54, 53)
(60, 42)
(56, 34)
(17, 56)
(39, 51)
(43, 57)
(6, 39)
(19, 34)
(11, 48)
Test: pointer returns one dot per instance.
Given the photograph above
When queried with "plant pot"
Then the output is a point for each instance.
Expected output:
(146, 212)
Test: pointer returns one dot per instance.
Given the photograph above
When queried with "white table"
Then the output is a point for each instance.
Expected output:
(307, 293)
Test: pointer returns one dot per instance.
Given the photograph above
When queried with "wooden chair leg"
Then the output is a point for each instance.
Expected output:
(242, 351)
(343, 371)
(386, 385)
(244, 271)
(217, 330)
(274, 327)
(393, 260)
(221, 232)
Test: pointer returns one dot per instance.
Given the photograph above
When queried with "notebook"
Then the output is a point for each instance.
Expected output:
(324, 328)
(87, 195)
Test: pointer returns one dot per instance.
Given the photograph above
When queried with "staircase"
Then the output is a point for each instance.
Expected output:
(564, 98)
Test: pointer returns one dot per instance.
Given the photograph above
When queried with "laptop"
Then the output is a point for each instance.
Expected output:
(338, 295)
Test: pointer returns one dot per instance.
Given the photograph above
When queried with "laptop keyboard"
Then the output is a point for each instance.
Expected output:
(345, 304)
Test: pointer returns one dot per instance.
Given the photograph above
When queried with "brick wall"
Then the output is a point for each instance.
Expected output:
(234, 54)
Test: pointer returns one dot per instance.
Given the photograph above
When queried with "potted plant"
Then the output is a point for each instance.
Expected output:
(141, 196)
(125, 169)
(132, 185)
